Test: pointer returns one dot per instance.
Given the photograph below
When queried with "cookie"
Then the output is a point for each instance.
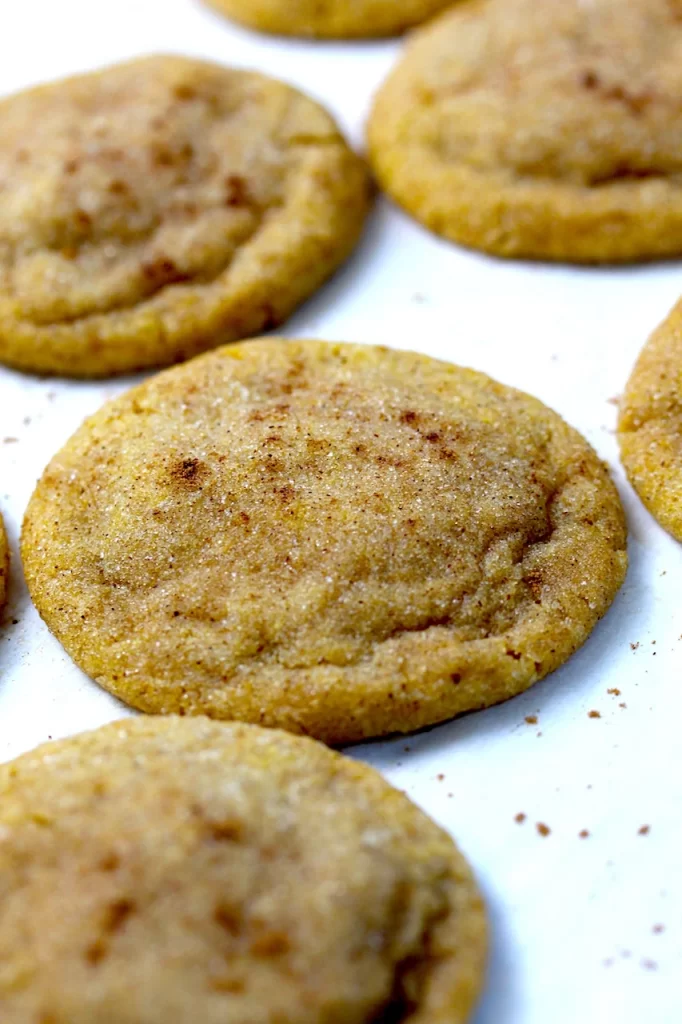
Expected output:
(547, 130)
(4, 564)
(650, 424)
(180, 870)
(330, 19)
(339, 540)
(158, 208)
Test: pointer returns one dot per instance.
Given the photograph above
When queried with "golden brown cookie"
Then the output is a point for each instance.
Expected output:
(159, 208)
(650, 424)
(184, 870)
(336, 539)
(4, 564)
(549, 130)
(331, 19)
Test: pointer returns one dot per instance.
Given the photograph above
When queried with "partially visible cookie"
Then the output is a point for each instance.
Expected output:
(650, 424)
(184, 870)
(338, 540)
(162, 207)
(548, 130)
(331, 19)
(4, 564)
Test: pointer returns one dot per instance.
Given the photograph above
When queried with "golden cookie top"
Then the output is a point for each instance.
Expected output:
(175, 869)
(337, 539)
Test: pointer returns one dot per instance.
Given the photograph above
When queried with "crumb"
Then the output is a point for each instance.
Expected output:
(26, 420)
(407, 749)
(532, 719)
(583, 834)
(622, 704)
(15, 622)
(658, 929)
(594, 714)
(634, 646)
(544, 830)
(664, 573)
(520, 818)
(644, 830)
(653, 641)
(615, 691)
(10, 440)
(649, 965)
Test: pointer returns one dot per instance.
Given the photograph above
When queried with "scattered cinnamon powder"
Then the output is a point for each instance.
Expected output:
(594, 714)
(644, 830)
(532, 719)
(583, 834)
(615, 691)
(520, 817)
(543, 829)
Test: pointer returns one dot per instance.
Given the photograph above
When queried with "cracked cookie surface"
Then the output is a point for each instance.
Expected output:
(184, 870)
(331, 19)
(162, 207)
(335, 539)
(547, 130)
(650, 424)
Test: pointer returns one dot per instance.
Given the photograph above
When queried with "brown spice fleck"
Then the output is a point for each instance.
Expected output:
(236, 191)
(594, 714)
(270, 944)
(615, 691)
(532, 719)
(634, 646)
(644, 830)
(544, 830)
(520, 818)
(583, 834)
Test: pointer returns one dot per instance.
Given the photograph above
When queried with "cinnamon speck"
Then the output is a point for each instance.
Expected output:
(622, 704)
(634, 646)
(583, 834)
(658, 929)
(543, 830)
(644, 830)
(520, 818)
(440, 777)
(615, 691)
(532, 719)
(594, 714)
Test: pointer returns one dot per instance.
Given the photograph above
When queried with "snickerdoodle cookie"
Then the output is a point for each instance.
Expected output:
(161, 207)
(336, 539)
(550, 130)
(181, 870)
(650, 425)
(331, 19)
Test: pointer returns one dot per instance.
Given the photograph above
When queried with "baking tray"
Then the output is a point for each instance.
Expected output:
(583, 929)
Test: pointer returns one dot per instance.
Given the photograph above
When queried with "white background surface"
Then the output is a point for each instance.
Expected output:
(573, 919)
